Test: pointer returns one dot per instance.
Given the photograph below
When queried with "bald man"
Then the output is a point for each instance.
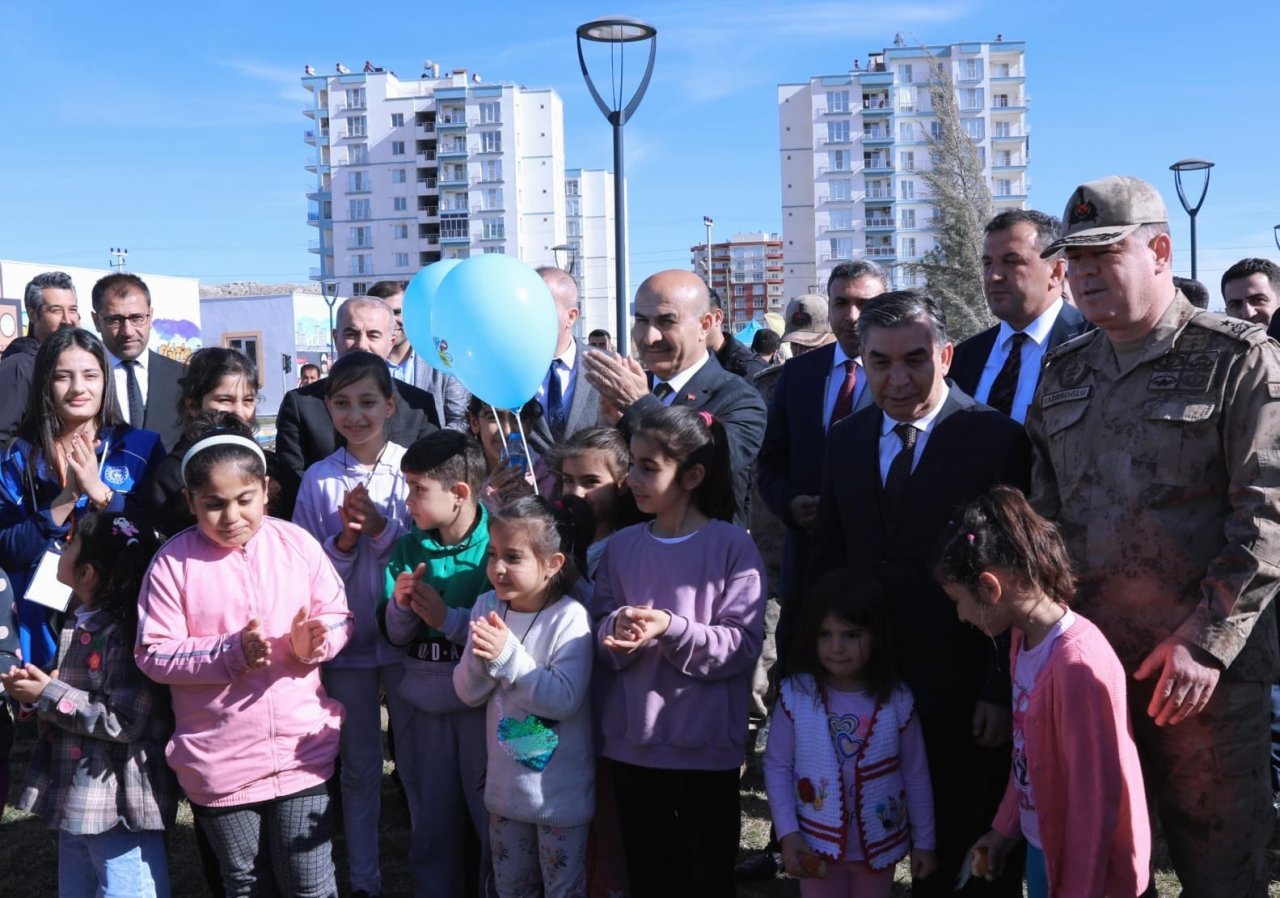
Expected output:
(569, 403)
(673, 316)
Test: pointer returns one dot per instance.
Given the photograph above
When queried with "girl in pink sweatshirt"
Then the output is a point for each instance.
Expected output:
(681, 607)
(235, 615)
(1075, 792)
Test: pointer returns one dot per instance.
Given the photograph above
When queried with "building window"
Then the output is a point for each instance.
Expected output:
(573, 207)
(401, 260)
(400, 204)
(245, 344)
(570, 186)
(837, 132)
(454, 226)
(573, 228)
(357, 182)
(973, 70)
(362, 263)
(355, 97)
(1000, 70)
(908, 190)
(398, 176)
(908, 160)
(359, 210)
(397, 148)
(397, 119)
(493, 198)
(359, 288)
(494, 229)
(491, 170)
(842, 219)
(1004, 187)
(908, 218)
(838, 160)
(491, 142)
(361, 237)
(358, 154)
(490, 113)
(837, 101)
(400, 231)
(971, 99)
(841, 191)
(904, 73)
(935, 129)
(357, 126)
(909, 247)
(974, 127)
(500, 250)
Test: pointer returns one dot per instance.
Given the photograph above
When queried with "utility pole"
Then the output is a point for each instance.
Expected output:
(118, 257)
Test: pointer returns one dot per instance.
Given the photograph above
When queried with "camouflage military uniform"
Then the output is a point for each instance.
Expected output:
(1163, 476)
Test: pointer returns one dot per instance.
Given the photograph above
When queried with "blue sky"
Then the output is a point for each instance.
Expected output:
(175, 130)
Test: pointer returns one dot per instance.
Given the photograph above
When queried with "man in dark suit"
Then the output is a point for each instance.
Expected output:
(894, 477)
(146, 382)
(816, 389)
(569, 402)
(50, 300)
(1025, 293)
(304, 430)
(410, 366)
(672, 318)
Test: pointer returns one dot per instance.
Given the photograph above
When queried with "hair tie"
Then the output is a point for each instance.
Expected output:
(970, 537)
(222, 439)
(706, 418)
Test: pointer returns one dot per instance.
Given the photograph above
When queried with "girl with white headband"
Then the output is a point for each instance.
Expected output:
(236, 615)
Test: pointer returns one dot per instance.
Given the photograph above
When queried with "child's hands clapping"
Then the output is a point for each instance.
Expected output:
(359, 515)
(636, 625)
(421, 598)
(307, 637)
(488, 637)
(25, 684)
(987, 856)
(923, 863)
(257, 651)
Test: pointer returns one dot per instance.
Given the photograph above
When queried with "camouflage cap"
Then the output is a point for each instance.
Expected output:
(807, 321)
(1107, 211)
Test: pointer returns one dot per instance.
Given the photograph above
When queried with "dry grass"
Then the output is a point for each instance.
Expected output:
(28, 850)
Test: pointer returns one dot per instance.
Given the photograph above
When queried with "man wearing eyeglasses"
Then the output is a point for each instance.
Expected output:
(146, 382)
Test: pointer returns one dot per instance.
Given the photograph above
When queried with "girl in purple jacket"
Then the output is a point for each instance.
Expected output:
(681, 602)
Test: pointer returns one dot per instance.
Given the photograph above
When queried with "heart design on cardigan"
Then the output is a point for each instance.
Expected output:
(529, 742)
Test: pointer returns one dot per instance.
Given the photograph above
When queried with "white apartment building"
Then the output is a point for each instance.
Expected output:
(852, 147)
(746, 270)
(408, 172)
(589, 229)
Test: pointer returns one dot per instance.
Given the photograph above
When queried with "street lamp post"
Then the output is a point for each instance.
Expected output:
(619, 31)
(707, 222)
(1276, 234)
(330, 291)
(567, 261)
(1178, 168)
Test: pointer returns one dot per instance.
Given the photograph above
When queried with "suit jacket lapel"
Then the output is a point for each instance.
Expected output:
(584, 408)
(934, 459)
(813, 396)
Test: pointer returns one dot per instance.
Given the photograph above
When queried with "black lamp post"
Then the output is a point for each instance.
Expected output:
(330, 291)
(570, 257)
(619, 31)
(1276, 234)
(1191, 165)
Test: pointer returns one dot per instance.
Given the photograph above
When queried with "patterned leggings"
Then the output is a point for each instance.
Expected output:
(284, 844)
(531, 860)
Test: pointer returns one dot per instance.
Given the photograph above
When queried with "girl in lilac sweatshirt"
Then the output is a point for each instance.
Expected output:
(235, 615)
(1075, 793)
(680, 602)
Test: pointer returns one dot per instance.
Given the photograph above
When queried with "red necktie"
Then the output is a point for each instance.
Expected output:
(844, 399)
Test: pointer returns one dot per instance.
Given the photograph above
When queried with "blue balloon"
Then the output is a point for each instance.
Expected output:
(494, 323)
(418, 296)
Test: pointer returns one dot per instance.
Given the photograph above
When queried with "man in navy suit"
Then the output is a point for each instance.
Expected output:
(672, 318)
(569, 402)
(1025, 293)
(894, 477)
(807, 400)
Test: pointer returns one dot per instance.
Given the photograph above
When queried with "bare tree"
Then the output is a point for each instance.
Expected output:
(961, 207)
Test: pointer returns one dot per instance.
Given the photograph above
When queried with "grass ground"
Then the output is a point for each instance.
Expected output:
(28, 851)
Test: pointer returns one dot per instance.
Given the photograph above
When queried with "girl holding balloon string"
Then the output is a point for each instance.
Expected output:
(508, 476)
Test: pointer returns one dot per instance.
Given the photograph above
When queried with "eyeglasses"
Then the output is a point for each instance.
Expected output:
(115, 322)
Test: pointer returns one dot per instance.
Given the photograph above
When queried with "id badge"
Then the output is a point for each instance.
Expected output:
(44, 588)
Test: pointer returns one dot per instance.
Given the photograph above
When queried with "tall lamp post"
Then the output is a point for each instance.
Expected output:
(1178, 168)
(1276, 234)
(619, 31)
(707, 222)
(330, 291)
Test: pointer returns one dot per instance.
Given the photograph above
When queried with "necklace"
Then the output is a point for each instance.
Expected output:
(522, 636)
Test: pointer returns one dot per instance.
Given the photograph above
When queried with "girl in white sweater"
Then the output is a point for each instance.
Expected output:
(529, 656)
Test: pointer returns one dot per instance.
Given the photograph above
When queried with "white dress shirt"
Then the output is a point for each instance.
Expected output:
(835, 378)
(891, 444)
(1032, 355)
(120, 380)
(678, 382)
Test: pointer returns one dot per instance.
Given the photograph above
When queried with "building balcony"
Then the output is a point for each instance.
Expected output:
(454, 152)
(314, 219)
(315, 274)
(309, 137)
(359, 245)
(828, 111)
(1012, 136)
(877, 111)
(453, 181)
(426, 183)
(878, 168)
(344, 106)
(427, 127)
(881, 252)
(323, 249)
(824, 230)
(1011, 165)
(1008, 197)
(879, 224)
(359, 190)
(319, 195)
(487, 179)
(451, 122)
(823, 171)
(884, 196)
(429, 215)
(1012, 104)
(354, 135)
(872, 79)
(835, 141)
(877, 137)
(454, 239)
(309, 111)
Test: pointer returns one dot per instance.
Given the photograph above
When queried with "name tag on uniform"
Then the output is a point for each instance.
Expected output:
(44, 588)
(1065, 396)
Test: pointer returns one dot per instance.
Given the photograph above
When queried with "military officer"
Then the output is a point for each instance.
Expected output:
(1155, 451)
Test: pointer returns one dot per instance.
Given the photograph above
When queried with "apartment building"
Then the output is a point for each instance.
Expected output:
(589, 230)
(747, 271)
(407, 172)
(853, 146)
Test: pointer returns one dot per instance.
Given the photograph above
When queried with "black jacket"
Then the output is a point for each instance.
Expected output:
(16, 368)
(737, 358)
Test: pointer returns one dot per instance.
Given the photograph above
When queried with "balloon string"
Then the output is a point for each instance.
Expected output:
(527, 457)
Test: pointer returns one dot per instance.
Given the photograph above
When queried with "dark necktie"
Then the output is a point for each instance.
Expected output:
(555, 401)
(137, 411)
(1005, 385)
(900, 469)
(662, 390)
(844, 399)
